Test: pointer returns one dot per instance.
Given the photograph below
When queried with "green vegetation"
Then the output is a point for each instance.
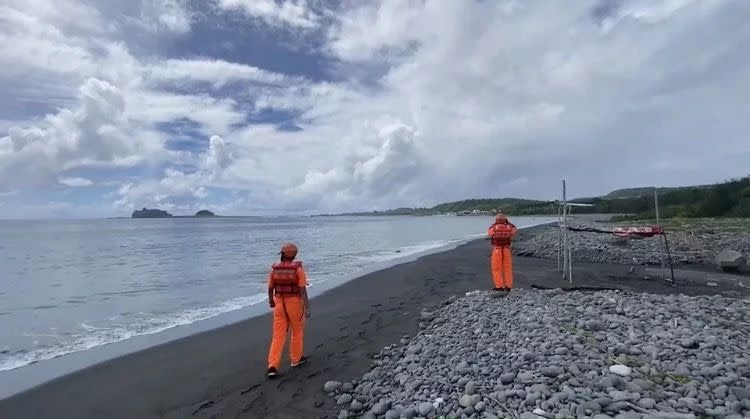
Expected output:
(727, 199)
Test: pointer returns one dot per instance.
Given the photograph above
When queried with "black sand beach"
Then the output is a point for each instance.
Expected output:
(220, 373)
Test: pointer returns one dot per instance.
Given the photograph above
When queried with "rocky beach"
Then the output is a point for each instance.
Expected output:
(689, 245)
(557, 354)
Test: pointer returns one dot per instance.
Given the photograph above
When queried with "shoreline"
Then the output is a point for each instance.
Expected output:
(37, 373)
(219, 372)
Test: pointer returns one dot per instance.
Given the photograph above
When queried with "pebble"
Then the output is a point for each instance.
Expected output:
(425, 408)
(380, 408)
(508, 378)
(552, 372)
(479, 407)
(331, 386)
(621, 370)
(344, 399)
(466, 401)
(647, 403)
(356, 406)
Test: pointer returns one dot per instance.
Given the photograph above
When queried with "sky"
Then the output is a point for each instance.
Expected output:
(257, 107)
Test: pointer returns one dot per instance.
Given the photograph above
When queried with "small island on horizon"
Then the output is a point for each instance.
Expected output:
(204, 213)
(150, 213)
(158, 213)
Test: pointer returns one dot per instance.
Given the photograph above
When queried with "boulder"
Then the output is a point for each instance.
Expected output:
(730, 260)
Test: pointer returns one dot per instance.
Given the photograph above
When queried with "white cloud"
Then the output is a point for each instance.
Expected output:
(217, 72)
(172, 14)
(294, 13)
(75, 182)
(95, 132)
(432, 100)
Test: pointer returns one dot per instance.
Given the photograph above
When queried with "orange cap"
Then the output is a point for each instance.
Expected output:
(289, 250)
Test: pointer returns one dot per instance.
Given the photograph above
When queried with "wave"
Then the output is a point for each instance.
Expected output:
(98, 336)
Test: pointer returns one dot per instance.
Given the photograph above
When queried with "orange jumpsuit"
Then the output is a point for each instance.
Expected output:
(501, 259)
(288, 313)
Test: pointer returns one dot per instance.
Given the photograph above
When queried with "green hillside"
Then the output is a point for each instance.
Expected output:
(727, 199)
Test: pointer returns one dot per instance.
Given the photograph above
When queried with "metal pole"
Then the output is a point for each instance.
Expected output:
(559, 238)
(671, 267)
(570, 256)
(565, 229)
(658, 223)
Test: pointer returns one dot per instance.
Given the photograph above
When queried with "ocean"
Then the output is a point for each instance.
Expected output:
(68, 286)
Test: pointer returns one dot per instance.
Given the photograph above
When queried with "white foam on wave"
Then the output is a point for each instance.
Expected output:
(99, 336)
(404, 251)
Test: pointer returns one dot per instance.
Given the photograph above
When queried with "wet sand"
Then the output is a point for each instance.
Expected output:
(220, 373)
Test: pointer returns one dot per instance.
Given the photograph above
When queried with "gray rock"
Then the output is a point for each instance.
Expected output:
(601, 416)
(356, 406)
(344, 399)
(508, 378)
(529, 415)
(415, 349)
(552, 372)
(425, 408)
(629, 415)
(408, 413)
(343, 414)
(592, 406)
(479, 407)
(647, 403)
(380, 408)
(331, 386)
(596, 326)
(347, 387)
(470, 388)
(741, 393)
(730, 260)
(391, 414)
(426, 316)
(619, 396)
(466, 401)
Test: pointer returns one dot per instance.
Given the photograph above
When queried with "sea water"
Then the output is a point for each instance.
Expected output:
(68, 286)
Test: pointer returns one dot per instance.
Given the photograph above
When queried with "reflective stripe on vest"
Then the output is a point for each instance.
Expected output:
(284, 277)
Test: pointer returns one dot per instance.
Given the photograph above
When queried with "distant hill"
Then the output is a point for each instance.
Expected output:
(205, 213)
(515, 206)
(727, 199)
(640, 192)
(150, 213)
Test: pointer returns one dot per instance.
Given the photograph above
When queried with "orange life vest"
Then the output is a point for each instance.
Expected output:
(284, 277)
(501, 234)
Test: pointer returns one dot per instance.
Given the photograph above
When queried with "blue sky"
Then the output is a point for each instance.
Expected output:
(288, 106)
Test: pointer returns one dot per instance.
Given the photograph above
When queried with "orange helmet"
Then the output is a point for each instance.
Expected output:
(501, 219)
(289, 250)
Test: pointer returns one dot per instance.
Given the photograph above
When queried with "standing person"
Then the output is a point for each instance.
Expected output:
(501, 233)
(287, 296)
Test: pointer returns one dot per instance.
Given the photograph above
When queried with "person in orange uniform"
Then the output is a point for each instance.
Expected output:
(501, 233)
(287, 296)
